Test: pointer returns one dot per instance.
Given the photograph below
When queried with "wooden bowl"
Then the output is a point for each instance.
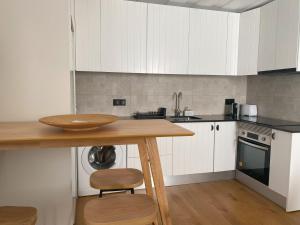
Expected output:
(79, 122)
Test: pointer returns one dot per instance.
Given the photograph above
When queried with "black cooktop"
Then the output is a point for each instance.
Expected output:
(268, 121)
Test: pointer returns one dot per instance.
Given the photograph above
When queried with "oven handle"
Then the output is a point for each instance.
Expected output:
(254, 145)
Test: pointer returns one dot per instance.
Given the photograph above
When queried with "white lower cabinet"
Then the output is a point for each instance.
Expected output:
(225, 146)
(211, 149)
(285, 167)
(165, 148)
(280, 162)
(194, 154)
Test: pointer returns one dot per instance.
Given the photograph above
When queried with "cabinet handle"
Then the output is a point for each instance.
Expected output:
(218, 127)
(212, 127)
(273, 136)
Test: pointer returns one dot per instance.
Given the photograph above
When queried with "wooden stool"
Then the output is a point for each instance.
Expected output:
(10, 215)
(116, 180)
(121, 210)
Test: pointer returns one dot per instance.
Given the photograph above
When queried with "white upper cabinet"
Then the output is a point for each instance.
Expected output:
(225, 146)
(111, 35)
(87, 17)
(279, 34)
(287, 34)
(232, 43)
(208, 42)
(123, 36)
(194, 154)
(248, 42)
(167, 42)
(267, 37)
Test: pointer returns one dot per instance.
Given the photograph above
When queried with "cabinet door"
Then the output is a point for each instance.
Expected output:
(207, 42)
(123, 36)
(166, 164)
(232, 43)
(165, 148)
(267, 37)
(87, 16)
(248, 42)
(167, 42)
(194, 154)
(280, 162)
(287, 34)
(225, 146)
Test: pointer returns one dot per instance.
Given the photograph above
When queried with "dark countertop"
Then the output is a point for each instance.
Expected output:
(283, 125)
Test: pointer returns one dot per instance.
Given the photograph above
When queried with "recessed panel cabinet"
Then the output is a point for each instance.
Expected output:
(136, 37)
(167, 39)
(111, 36)
(211, 149)
(285, 167)
(225, 146)
(194, 154)
(165, 148)
(88, 32)
(123, 36)
(248, 42)
(208, 42)
(279, 35)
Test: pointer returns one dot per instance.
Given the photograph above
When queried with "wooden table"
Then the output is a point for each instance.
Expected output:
(24, 135)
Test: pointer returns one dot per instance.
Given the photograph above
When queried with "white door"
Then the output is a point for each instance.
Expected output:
(167, 42)
(87, 16)
(232, 43)
(207, 42)
(194, 154)
(225, 146)
(248, 42)
(280, 162)
(267, 37)
(287, 34)
(123, 36)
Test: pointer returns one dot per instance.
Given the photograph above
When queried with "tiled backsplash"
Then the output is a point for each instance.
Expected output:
(145, 92)
(277, 96)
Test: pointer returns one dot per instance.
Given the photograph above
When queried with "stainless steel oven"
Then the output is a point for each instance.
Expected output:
(253, 154)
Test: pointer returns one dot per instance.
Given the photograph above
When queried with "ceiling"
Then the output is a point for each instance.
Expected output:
(222, 5)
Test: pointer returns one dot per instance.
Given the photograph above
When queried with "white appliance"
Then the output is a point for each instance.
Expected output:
(95, 158)
(248, 110)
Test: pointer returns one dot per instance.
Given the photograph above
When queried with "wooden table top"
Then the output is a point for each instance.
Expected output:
(34, 134)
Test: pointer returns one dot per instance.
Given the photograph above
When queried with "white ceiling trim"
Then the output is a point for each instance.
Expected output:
(221, 5)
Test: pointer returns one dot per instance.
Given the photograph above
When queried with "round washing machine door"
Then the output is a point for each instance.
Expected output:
(101, 157)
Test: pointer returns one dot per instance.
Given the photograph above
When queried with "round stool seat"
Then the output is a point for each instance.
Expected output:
(121, 210)
(11, 215)
(110, 179)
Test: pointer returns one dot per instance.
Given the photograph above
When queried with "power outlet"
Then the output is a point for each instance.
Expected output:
(119, 102)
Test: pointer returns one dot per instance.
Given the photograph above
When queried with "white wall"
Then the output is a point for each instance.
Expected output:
(34, 82)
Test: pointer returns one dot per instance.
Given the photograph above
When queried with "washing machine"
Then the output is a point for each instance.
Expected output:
(93, 158)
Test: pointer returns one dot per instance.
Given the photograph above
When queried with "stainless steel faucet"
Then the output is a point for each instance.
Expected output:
(178, 97)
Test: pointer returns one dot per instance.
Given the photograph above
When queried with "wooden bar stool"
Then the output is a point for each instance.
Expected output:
(121, 210)
(11, 215)
(116, 180)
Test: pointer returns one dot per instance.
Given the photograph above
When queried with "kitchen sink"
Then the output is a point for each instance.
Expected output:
(184, 118)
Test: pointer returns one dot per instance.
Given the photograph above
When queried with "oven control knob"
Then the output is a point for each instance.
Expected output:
(263, 139)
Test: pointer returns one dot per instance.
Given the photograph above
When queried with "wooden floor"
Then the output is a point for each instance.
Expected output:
(218, 203)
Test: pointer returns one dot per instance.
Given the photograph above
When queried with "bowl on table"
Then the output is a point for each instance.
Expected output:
(79, 122)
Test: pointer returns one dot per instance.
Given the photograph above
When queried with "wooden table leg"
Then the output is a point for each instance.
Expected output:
(145, 167)
(146, 170)
(158, 180)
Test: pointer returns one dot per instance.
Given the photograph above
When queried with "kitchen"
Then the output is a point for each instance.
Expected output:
(239, 51)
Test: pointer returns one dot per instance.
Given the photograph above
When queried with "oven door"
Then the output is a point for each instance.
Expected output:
(253, 159)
